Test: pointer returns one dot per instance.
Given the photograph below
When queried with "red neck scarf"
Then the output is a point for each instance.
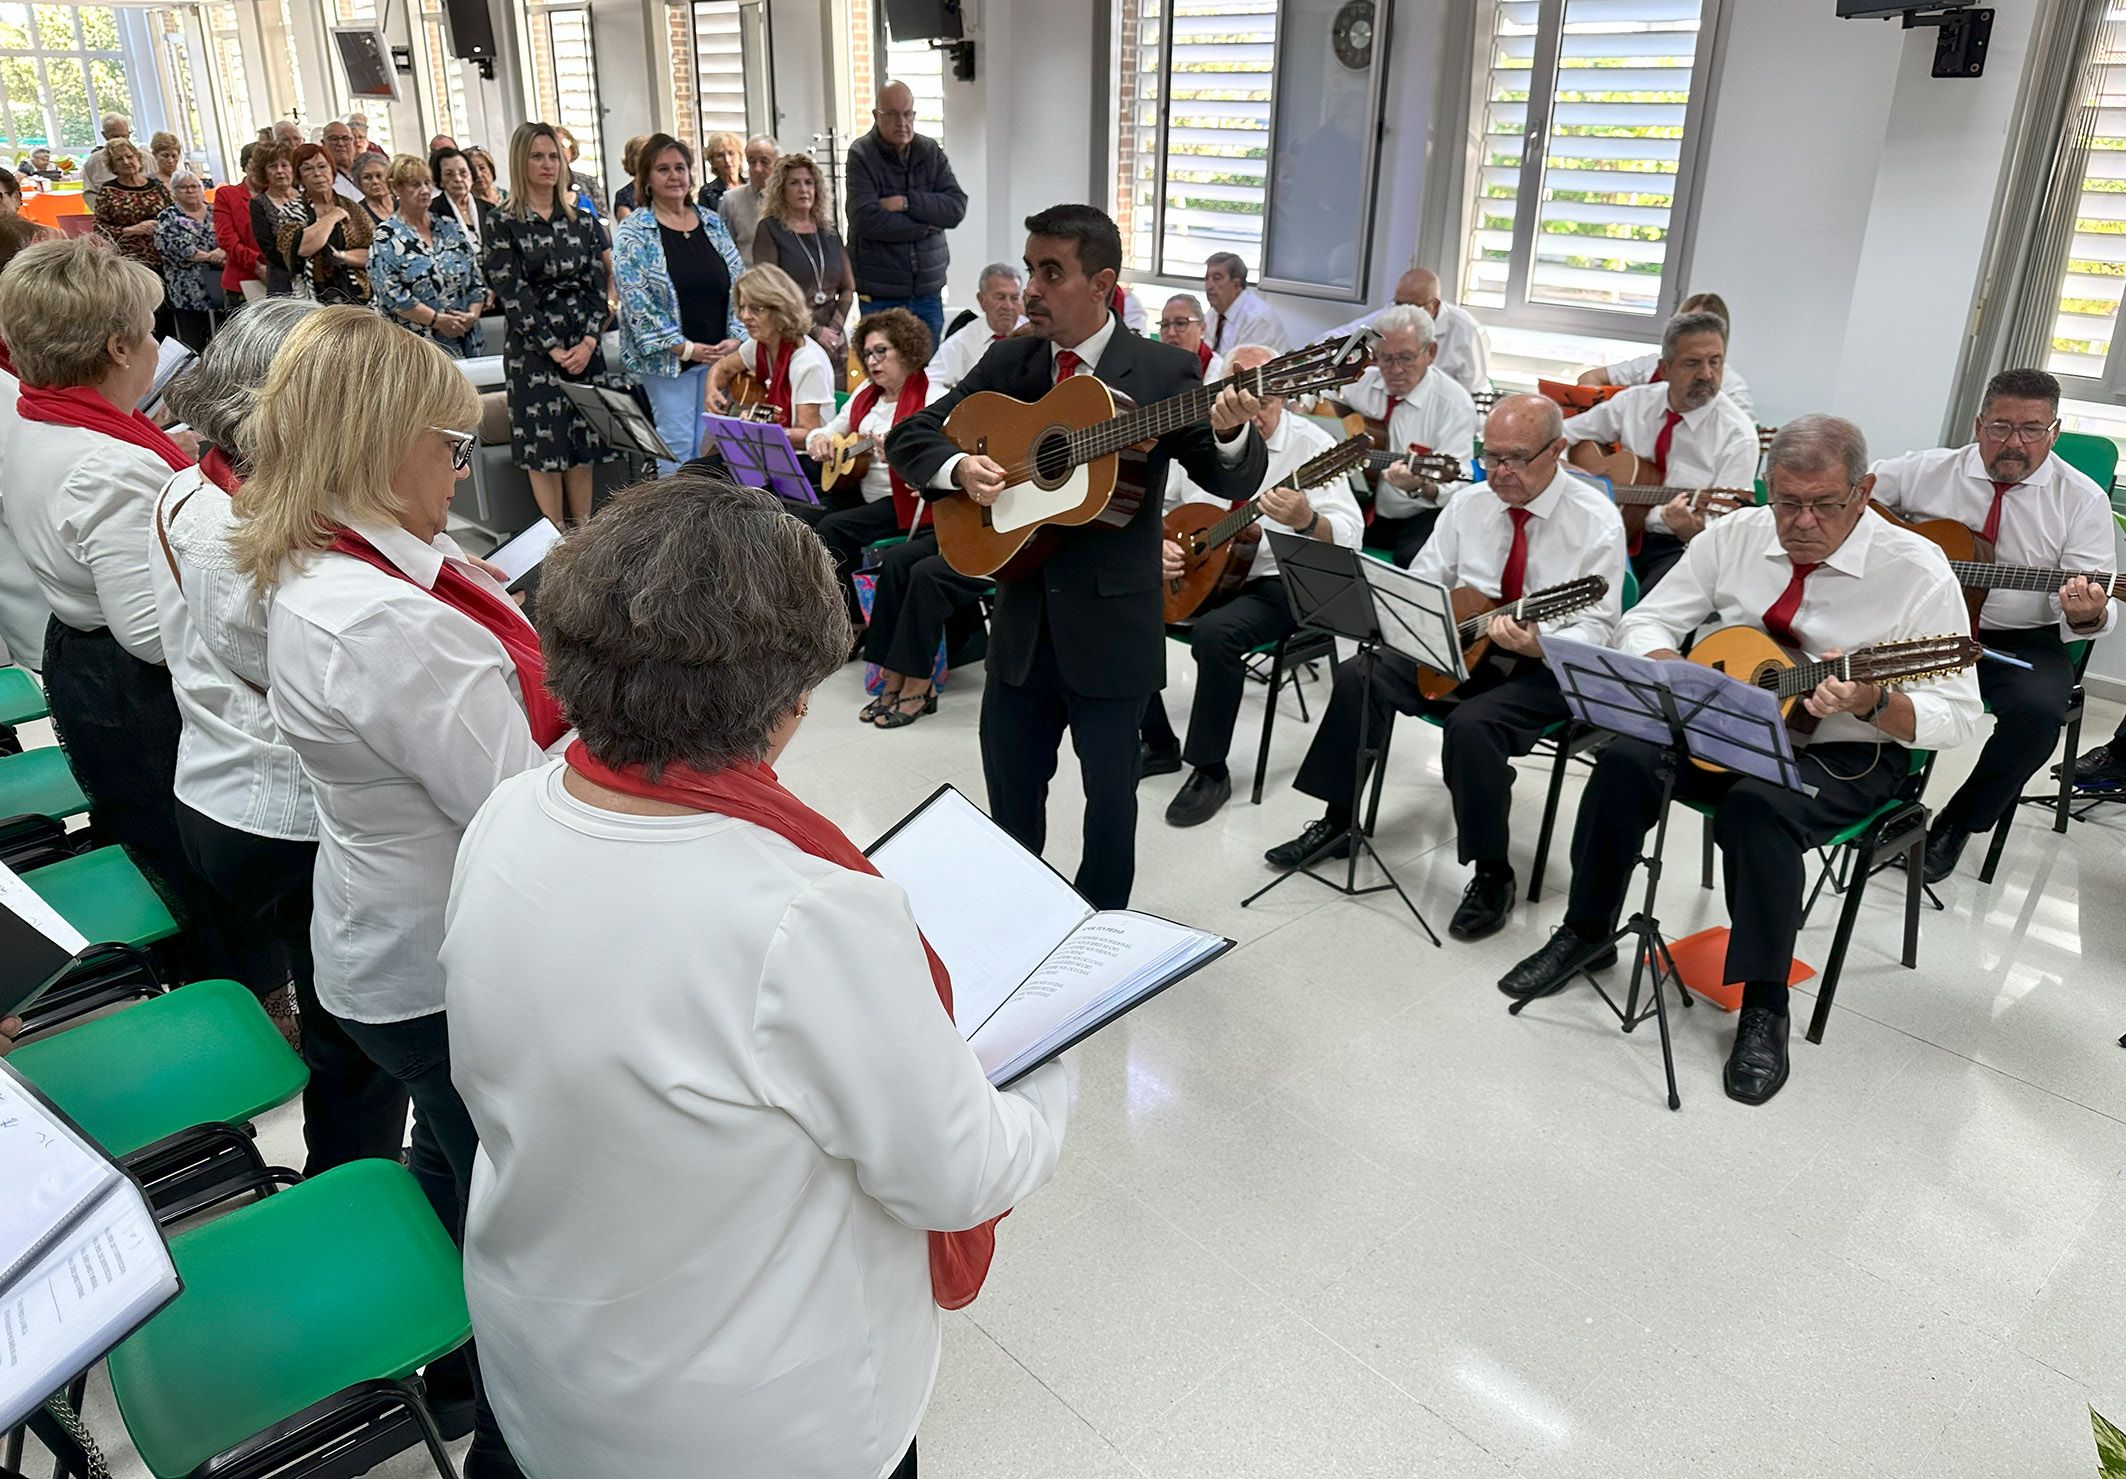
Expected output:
(77, 405)
(496, 615)
(908, 505)
(775, 381)
(215, 468)
(1203, 358)
(959, 1261)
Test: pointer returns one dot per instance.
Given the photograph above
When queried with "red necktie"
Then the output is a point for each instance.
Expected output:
(1516, 573)
(1218, 335)
(1661, 443)
(1992, 531)
(1778, 622)
(1067, 364)
(1389, 414)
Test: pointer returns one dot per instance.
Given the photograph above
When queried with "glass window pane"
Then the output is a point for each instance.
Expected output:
(70, 103)
(15, 27)
(719, 70)
(1502, 124)
(1217, 137)
(112, 95)
(2088, 312)
(923, 69)
(25, 112)
(99, 28)
(1318, 204)
(55, 27)
(576, 85)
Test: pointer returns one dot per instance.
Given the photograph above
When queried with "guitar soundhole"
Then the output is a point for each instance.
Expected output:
(1051, 458)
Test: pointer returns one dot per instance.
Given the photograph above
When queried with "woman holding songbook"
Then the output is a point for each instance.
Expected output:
(791, 379)
(405, 678)
(726, 1150)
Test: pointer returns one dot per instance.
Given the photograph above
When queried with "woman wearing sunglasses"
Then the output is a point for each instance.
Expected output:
(406, 680)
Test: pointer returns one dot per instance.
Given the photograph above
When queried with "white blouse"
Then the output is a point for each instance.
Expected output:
(23, 609)
(811, 374)
(78, 504)
(728, 1057)
(232, 763)
(406, 715)
(878, 480)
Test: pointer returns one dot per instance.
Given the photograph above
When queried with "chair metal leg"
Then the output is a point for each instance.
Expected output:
(1915, 888)
(1269, 719)
(1847, 917)
(1705, 870)
(1993, 848)
(1550, 812)
(2074, 745)
(1380, 775)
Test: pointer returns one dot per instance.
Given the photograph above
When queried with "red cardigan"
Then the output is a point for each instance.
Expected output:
(232, 231)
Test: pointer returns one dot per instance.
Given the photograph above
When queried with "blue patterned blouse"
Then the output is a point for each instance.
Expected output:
(442, 273)
(194, 287)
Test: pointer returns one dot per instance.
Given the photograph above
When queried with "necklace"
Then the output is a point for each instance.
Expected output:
(819, 266)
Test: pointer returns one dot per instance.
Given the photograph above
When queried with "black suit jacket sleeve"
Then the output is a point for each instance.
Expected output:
(918, 447)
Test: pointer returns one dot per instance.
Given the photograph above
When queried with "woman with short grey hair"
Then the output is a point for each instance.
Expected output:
(245, 814)
(767, 1062)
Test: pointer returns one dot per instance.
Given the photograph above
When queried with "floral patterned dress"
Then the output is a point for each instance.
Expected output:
(549, 275)
(441, 273)
(119, 206)
(194, 287)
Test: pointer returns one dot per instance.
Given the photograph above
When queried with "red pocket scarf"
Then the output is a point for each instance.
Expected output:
(959, 1261)
(775, 380)
(459, 591)
(908, 505)
(77, 405)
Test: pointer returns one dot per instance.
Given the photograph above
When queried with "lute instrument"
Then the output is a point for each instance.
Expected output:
(1063, 455)
(1750, 656)
(1971, 558)
(1218, 545)
(849, 457)
(1473, 611)
(1639, 490)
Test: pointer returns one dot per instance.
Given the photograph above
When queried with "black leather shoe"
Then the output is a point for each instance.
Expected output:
(1198, 800)
(1485, 904)
(1756, 1069)
(1291, 854)
(2102, 766)
(1552, 968)
(1945, 844)
(1157, 762)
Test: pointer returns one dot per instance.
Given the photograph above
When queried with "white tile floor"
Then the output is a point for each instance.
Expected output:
(1327, 1210)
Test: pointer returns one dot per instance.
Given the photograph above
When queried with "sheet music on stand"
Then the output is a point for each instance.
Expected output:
(619, 422)
(1723, 721)
(758, 454)
(1341, 591)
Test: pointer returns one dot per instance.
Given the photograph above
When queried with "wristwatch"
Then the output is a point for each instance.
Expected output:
(1312, 524)
(1882, 701)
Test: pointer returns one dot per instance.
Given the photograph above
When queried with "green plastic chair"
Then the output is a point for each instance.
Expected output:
(293, 1348)
(169, 1086)
(2094, 457)
(38, 793)
(21, 700)
(111, 902)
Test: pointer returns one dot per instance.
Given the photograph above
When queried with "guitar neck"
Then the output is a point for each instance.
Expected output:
(1984, 575)
(1311, 474)
(1539, 607)
(1643, 496)
(1891, 666)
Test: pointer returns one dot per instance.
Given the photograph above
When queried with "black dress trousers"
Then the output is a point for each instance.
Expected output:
(2029, 707)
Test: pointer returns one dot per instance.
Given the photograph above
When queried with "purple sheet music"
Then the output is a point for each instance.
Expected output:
(758, 454)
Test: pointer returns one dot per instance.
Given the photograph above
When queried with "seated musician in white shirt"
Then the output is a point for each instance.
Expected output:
(1822, 577)
(1685, 434)
(1531, 527)
(2038, 512)
(1423, 411)
(1226, 630)
(1000, 301)
(1464, 350)
(1645, 369)
(1181, 325)
(1239, 314)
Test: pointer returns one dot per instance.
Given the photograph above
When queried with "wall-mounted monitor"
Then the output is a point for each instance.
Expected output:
(365, 60)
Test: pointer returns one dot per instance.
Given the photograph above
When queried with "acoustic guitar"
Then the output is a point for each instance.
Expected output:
(1971, 557)
(1749, 656)
(1473, 611)
(1218, 545)
(849, 457)
(1063, 454)
(747, 400)
(1639, 490)
(1421, 460)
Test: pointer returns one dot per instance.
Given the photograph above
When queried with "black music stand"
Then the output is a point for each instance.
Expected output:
(1690, 711)
(620, 422)
(1381, 608)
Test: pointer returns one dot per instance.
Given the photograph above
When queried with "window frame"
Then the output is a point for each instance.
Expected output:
(38, 55)
(1445, 241)
(533, 13)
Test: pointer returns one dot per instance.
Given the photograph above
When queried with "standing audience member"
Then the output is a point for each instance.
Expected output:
(372, 176)
(191, 262)
(339, 146)
(674, 265)
(902, 201)
(1181, 325)
(1239, 314)
(549, 268)
(126, 211)
(782, 1060)
(484, 183)
(244, 810)
(288, 133)
(329, 243)
(96, 171)
(590, 193)
(1000, 295)
(451, 173)
(81, 471)
(406, 680)
(166, 157)
(24, 613)
(741, 204)
(422, 271)
(795, 380)
(359, 124)
(276, 202)
(441, 142)
(724, 155)
(241, 260)
(797, 234)
(624, 197)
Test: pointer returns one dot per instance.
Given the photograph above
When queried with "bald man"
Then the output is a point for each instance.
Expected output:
(1464, 353)
(902, 200)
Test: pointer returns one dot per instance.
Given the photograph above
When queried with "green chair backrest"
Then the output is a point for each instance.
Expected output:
(2095, 458)
(1631, 588)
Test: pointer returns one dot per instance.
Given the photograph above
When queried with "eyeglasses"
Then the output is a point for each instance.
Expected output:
(1512, 461)
(1398, 361)
(2026, 431)
(1178, 323)
(461, 445)
(898, 115)
(875, 351)
(1794, 508)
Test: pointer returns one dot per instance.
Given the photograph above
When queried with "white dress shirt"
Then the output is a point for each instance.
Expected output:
(346, 189)
(407, 715)
(878, 481)
(1883, 584)
(1639, 370)
(1714, 446)
(79, 504)
(1251, 320)
(1574, 531)
(756, 1113)
(1295, 440)
(961, 352)
(23, 609)
(2055, 519)
(811, 374)
(233, 766)
(1464, 348)
(1437, 415)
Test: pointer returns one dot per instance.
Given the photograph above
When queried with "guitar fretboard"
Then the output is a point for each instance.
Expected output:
(1144, 424)
(1983, 575)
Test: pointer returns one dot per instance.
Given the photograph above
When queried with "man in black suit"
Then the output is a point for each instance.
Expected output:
(1079, 643)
